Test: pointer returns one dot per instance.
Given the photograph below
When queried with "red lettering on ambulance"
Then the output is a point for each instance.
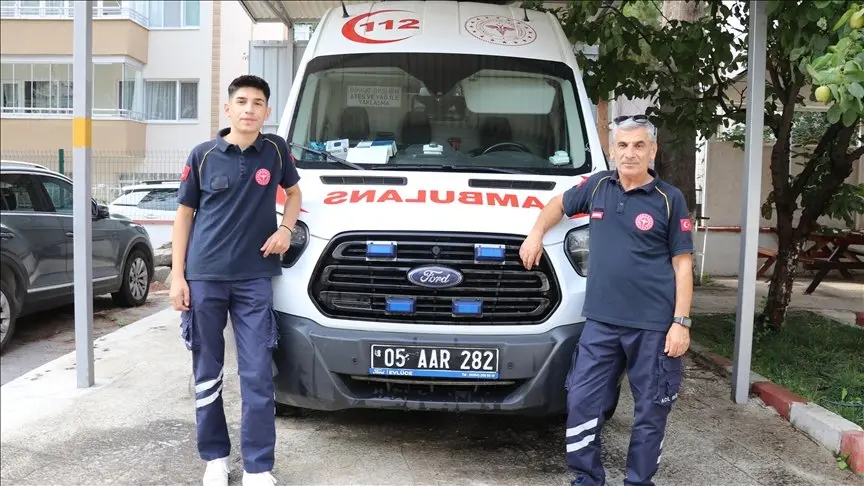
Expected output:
(336, 197)
(493, 199)
(532, 202)
(471, 197)
(357, 196)
(390, 195)
(421, 197)
(436, 197)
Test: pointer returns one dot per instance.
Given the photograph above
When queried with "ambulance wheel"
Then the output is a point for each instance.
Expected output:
(611, 410)
(283, 410)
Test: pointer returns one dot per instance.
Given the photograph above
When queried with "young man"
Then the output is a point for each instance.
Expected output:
(637, 302)
(226, 249)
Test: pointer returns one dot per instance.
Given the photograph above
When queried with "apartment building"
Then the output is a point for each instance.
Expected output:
(161, 69)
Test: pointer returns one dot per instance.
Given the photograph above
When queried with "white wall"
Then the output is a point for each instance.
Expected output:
(184, 54)
(237, 31)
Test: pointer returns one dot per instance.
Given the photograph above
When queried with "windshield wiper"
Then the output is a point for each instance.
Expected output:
(326, 155)
(453, 168)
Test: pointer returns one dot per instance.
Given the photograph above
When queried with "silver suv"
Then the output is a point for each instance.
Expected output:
(36, 246)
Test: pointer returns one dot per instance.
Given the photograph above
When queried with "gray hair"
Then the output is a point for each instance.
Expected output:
(630, 124)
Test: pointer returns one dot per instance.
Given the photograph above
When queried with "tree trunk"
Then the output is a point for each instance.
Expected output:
(832, 152)
(780, 289)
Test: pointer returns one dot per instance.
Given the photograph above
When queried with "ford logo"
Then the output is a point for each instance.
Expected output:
(435, 277)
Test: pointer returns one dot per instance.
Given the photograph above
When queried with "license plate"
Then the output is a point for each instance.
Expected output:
(434, 362)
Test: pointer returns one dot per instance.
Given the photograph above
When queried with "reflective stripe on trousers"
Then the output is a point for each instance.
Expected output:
(603, 353)
(250, 303)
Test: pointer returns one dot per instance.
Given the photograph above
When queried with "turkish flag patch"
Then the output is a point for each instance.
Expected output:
(686, 224)
(185, 174)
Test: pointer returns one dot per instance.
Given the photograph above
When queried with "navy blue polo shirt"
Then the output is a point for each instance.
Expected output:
(234, 195)
(633, 236)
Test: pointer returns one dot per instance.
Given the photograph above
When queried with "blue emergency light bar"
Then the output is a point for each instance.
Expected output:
(380, 249)
(494, 253)
(467, 307)
(400, 305)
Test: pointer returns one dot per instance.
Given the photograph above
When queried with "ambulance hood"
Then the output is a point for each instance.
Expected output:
(338, 201)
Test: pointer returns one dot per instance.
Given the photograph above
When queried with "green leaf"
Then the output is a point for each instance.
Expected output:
(797, 52)
(820, 4)
(843, 20)
(834, 113)
(850, 116)
(856, 90)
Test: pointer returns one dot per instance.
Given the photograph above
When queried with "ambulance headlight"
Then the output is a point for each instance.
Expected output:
(299, 240)
(576, 247)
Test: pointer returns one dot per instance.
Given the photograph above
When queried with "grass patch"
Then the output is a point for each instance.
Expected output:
(812, 355)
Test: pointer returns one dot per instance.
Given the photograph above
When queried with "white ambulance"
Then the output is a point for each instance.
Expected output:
(428, 136)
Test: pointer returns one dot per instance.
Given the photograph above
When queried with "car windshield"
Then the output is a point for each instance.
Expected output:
(410, 111)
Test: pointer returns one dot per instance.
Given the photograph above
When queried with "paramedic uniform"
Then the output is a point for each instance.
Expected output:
(629, 306)
(234, 195)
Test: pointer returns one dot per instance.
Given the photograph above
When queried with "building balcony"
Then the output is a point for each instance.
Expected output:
(154, 14)
(44, 89)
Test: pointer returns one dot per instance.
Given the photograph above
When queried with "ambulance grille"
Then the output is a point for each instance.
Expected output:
(347, 285)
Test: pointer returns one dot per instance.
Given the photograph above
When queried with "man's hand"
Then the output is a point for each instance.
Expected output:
(677, 340)
(278, 242)
(179, 294)
(531, 250)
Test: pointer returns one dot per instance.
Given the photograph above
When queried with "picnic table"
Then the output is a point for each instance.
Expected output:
(831, 251)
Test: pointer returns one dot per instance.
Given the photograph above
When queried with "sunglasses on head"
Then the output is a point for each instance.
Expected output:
(635, 118)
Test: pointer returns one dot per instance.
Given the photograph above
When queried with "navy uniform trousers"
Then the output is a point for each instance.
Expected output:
(250, 303)
(604, 352)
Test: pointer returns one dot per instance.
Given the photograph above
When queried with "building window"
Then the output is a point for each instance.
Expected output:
(175, 14)
(171, 100)
(33, 89)
(65, 9)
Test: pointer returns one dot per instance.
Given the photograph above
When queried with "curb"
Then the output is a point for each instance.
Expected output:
(830, 430)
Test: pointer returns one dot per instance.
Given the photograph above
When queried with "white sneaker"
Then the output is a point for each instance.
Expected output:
(216, 473)
(258, 479)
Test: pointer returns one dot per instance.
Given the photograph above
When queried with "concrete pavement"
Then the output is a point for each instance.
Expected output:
(136, 426)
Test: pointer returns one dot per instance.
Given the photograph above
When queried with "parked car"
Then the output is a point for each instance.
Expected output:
(150, 200)
(36, 250)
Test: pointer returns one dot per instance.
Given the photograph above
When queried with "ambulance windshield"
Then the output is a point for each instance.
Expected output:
(441, 110)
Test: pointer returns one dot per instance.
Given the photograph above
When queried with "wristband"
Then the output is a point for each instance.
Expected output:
(287, 228)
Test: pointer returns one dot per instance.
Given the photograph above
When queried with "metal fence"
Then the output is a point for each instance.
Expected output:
(111, 170)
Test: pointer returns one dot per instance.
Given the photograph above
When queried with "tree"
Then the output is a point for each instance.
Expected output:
(691, 71)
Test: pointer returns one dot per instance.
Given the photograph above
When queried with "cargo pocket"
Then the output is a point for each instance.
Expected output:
(187, 330)
(273, 334)
(668, 380)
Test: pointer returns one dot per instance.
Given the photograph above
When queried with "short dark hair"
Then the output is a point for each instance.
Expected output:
(249, 81)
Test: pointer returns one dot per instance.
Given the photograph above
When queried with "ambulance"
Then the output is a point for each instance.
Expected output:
(428, 136)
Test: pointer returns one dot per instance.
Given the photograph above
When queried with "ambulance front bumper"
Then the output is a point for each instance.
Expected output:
(322, 368)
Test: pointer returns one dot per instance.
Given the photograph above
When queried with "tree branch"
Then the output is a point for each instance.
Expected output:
(775, 80)
(814, 160)
(856, 154)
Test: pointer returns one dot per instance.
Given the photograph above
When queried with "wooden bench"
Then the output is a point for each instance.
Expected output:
(770, 256)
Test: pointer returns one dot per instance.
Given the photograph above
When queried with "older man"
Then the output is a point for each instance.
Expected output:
(637, 301)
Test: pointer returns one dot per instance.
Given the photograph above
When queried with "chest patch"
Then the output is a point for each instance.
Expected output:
(262, 177)
(644, 221)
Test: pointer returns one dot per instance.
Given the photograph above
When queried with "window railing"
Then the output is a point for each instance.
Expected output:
(43, 11)
(21, 112)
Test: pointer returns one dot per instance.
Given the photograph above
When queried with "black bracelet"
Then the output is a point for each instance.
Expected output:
(286, 227)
